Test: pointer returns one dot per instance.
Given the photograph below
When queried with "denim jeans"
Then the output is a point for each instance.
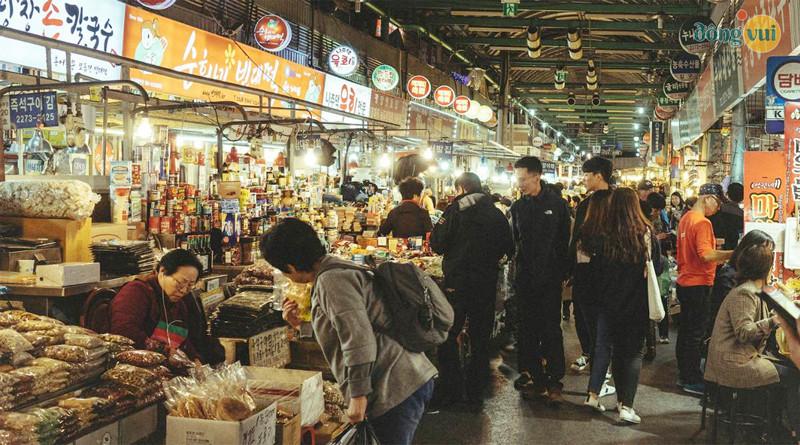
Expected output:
(790, 387)
(691, 332)
(398, 425)
(624, 352)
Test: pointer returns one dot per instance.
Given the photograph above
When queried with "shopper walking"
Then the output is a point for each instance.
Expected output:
(470, 224)
(623, 320)
(381, 380)
(408, 219)
(597, 173)
(541, 225)
(697, 261)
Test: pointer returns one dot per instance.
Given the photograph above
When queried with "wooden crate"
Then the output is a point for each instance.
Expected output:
(73, 236)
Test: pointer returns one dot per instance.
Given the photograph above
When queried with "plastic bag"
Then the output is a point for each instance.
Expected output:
(117, 339)
(67, 353)
(34, 325)
(359, 434)
(129, 375)
(47, 199)
(86, 341)
(214, 394)
(13, 342)
(144, 359)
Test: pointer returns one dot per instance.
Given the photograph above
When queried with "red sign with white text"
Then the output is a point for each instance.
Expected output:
(444, 96)
(419, 87)
(791, 133)
(461, 104)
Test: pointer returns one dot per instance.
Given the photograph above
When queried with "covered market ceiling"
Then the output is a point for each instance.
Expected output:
(630, 43)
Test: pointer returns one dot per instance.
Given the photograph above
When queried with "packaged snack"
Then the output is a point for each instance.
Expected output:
(13, 342)
(52, 364)
(34, 325)
(67, 353)
(87, 341)
(132, 376)
(18, 315)
(36, 339)
(144, 359)
(117, 339)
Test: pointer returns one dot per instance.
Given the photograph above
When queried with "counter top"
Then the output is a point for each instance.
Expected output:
(39, 290)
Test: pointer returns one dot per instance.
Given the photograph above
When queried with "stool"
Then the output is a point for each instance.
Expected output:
(715, 394)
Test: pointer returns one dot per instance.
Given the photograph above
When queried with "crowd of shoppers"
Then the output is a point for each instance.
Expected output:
(598, 245)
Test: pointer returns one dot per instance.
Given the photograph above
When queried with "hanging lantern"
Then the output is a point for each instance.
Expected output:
(560, 78)
(574, 44)
(534, 42)
(591, 76)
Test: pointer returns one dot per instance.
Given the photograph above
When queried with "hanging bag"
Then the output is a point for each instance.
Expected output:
(654, 302)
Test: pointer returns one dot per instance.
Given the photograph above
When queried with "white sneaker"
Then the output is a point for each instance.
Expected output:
(594, 403)
(608, 375)
(607, 389)
(628, 415)
(580, 364)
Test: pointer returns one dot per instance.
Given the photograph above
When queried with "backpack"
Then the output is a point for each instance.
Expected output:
(421, 316)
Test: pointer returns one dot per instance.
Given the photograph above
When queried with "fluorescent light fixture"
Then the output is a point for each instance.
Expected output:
(385, 162)
(640, 110)
(637, 126)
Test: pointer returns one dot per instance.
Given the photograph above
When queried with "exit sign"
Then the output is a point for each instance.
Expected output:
(509, 9)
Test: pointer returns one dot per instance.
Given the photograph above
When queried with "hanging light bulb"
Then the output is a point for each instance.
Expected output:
(595, 99)
(144, 130)
(311, 159)
(385, 161)
(574, 44)
(534, 42)
(427, 154)
(571, 99)
(485, 113)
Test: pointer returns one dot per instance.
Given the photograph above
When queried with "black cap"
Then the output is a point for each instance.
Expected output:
(646, 184)
(712, 189)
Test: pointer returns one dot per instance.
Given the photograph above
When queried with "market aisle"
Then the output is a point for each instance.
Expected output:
(669, 416)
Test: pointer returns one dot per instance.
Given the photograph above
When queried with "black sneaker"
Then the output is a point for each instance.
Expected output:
(523, 381)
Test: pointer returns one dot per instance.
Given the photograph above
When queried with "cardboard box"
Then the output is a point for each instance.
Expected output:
(258, 429)
(109, 231)
(288, 433)
(312, 401)
(68, 274)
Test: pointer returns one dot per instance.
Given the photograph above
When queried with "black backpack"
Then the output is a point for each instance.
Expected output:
(420, 314)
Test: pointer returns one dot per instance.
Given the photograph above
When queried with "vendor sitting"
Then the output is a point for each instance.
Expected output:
(409, 219)
(158, 311)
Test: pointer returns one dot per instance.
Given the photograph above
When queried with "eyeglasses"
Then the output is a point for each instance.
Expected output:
(183, 285)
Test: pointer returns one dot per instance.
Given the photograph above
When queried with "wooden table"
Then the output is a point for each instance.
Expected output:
(42, 299)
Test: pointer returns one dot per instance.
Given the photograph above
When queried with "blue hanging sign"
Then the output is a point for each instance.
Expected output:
(27, 110)
(783, 84)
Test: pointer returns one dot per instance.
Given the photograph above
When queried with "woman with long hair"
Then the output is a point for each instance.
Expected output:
(589, 245)
(622, 318)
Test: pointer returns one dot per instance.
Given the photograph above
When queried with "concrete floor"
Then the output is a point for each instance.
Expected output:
(669, 416)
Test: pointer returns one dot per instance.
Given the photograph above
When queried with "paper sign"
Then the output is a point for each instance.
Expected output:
(764, 186)
(270, 348)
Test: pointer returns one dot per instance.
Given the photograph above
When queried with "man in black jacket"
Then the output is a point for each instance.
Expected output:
(408, 219)
(473, 235)
(541, 224)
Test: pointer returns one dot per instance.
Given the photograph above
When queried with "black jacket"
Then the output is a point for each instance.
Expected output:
(728, 224)
(473, 235)
(407, 221)
(541, 233)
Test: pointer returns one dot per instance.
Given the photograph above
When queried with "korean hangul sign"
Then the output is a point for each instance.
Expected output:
(345, 96)
(783, 84)
(685, 67)
(444, 96)
(27, 110)
(657, 136)
(764, 186)
(753, 64)
(792, 142)
(389, 108)
(676, 90)
(418, 87)
(343, 60)
(461, 105)
(385, 77)
(705, 111)
(94, 24)
(727, 80)
(156, 40)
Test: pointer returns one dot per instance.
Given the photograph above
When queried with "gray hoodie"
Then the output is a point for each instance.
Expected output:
(347, 315)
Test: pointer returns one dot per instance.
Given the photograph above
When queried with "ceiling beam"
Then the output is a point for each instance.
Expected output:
(605, 86)
(578, 107)
(633, 64)
(513, 22)
(531, 5)
(587, 44)
(563, 95)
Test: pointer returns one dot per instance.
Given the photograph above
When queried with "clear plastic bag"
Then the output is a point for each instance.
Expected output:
(13, 342)
(86, 341)
(67, 353)
(129, 375)
(34, 325)
(219, 394)
(21, 359)
(52, 364)
(117, 339)
(142, 358)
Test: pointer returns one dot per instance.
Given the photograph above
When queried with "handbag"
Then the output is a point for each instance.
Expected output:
(654, 302)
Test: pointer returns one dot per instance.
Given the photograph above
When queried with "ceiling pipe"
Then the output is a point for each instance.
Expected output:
(421, 29)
